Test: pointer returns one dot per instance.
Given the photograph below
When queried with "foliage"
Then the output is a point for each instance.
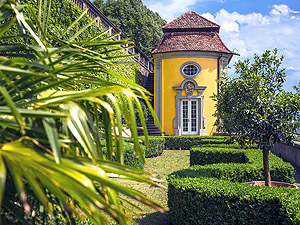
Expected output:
(136, 21)
(236, 165)
(131, 158)
(156, 146)
(186, 142)
(168, 162)
(215, 194)
(197, 201)
(255, 107)
(235, 145)
(210, 155)
(51, 157)
(146, 113)
(63, 13)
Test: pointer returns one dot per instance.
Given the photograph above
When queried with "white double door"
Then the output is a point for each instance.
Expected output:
(189, 117)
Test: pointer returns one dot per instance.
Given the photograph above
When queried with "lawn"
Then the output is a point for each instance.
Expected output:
(169, 161)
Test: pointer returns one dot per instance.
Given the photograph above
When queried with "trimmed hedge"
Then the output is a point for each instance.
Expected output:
(236, 165)
(194, 201)
(156, 146)
(130, 157)
(186, 142)
(211, 155)
(231, 145)
(212, 193)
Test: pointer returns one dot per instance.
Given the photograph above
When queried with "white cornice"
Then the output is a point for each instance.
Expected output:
(191, 54)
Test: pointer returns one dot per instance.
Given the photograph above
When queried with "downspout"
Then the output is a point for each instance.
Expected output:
(218, 74)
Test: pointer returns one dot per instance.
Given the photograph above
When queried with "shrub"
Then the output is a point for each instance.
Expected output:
(156, 146)
(210, 155)
(212, 192)
(130, 157)
(211, 201)
(239, 165)
(185, 142)
(230, 145)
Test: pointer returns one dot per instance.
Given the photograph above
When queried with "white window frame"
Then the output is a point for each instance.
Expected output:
(188, 64)
(189, 125)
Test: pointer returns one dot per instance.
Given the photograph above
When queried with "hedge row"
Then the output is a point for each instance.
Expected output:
(130, 156)
(236, 165)
(231, 145)
(156, 146)
(186, 142)
(206, 200)
(214, 193)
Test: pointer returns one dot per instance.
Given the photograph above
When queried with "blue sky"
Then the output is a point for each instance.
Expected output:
(248, 26)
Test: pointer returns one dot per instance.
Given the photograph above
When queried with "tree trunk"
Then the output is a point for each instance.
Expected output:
(266, 167)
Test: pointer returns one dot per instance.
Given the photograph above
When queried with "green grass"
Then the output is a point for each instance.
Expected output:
(168, 162)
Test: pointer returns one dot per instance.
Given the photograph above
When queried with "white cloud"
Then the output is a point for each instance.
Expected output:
(254, 33)
(171, 9)
(249, 33)
(209, 17)
(281, 10)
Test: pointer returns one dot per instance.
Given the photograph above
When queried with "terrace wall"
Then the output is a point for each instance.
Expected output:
(288, 153)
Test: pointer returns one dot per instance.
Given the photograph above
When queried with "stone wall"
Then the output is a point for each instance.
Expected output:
(288, 153)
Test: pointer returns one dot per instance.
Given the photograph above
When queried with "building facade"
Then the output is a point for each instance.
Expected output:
(188, 61)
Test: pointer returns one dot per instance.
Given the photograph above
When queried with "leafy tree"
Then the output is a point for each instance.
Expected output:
(136, 21)
(52, 164)
(99, 4)
(255, 107)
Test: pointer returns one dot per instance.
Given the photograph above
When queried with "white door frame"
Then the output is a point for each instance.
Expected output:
(189, 116)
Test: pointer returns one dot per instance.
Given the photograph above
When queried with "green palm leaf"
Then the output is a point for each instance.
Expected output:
(53, 91)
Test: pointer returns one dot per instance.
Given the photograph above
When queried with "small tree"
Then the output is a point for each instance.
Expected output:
(255, 107)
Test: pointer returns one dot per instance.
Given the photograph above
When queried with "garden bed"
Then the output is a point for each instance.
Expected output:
(214, 191)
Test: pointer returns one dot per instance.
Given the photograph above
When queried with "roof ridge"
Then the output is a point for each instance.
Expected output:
(191, 41)
(205, 18)
(191, 20)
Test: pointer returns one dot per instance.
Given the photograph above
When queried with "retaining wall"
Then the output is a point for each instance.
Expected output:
(288, 153)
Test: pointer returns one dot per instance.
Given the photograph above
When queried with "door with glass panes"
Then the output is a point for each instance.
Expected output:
(189, 117)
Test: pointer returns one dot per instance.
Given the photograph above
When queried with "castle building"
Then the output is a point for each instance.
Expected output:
(189, 60)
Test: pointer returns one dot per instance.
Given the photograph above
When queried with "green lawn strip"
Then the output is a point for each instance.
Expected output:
(168, 162)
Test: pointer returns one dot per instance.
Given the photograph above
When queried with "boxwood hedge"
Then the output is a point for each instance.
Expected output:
(130, 157)
(186, 142)
(211, 201)
(214, 193)
(156, 145)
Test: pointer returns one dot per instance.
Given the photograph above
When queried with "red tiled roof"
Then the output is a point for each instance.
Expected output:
(191, 20)
(191, 41)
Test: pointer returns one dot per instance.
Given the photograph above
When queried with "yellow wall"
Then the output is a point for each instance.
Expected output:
(171, 77)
